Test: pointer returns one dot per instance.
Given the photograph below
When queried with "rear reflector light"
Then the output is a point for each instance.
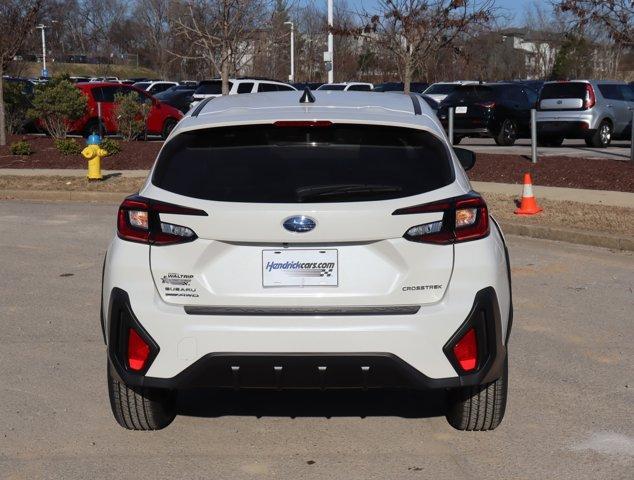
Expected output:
(466, 351)
(138, 351)
(139, 221)
(303, 123)
(590, 99)
(464, 218)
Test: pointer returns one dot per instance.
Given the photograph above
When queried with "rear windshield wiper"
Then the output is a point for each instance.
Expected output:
(314, 191)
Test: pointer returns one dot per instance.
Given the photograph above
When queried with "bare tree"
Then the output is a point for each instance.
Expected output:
(616, 16)
(414, 30)
(311, 25)
(153, 17)
(17, 19)
(220, 32)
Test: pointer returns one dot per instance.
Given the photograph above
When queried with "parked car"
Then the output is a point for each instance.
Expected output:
(347, 86)
(161, 119)
(178, 96)
(310, 85)
(439, 91)
(105, 79)
(18, 100)
(498, 110)
(213, 88)
(594, 110)
(535, 85)
(79, 79)
(416, 87)
(277, 245)
(154, 87)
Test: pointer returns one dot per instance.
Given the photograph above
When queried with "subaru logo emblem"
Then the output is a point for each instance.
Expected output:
(299, 224)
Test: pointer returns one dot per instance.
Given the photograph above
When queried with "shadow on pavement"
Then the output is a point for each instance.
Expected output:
(311, 403)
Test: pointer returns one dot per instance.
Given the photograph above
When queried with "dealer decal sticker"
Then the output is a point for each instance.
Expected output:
(178, 285)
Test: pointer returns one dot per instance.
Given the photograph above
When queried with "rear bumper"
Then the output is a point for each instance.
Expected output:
(483, 132)
(470, 127)
(185, 342)
(313, 370)
(567, 129)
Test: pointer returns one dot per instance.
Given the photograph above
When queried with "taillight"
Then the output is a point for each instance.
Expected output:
(138, 350)
(464, 218)
(139, 221)
(466, 351)
(590, 99)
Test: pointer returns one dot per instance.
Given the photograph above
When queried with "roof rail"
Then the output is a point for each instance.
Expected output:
(416, 103)
(200, 106)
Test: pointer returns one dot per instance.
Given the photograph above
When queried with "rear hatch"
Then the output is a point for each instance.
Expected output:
(472, 105)
(301, 215)
(562, 96)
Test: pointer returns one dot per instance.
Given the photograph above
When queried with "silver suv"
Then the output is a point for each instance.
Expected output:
(595, 110)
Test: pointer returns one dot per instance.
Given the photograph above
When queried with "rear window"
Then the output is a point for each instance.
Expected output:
(269, 164)
(213, 87)
(471, 93)
(611, 91)
(441, 88)
(359, 88)
(563, 90)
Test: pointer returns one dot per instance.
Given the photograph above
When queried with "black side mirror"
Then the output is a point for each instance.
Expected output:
(467, 158)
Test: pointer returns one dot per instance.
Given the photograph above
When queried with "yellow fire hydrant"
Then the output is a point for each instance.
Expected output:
(93, 153)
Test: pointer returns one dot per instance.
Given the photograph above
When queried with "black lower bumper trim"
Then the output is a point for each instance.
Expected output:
(328, 370)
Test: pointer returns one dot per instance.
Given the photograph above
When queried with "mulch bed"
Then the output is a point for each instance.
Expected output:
(136, 155)
(569, 172)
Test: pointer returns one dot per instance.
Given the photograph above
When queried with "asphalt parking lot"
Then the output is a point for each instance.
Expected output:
(618, 150)
(569, 413)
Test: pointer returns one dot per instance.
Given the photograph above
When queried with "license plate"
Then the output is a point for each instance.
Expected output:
(300, 268)
(461, 109)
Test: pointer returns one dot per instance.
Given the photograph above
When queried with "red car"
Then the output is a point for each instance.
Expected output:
(161, 119)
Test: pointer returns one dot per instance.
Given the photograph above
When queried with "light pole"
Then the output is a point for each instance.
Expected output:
(331, 56)
(291, 77)
(43, 28)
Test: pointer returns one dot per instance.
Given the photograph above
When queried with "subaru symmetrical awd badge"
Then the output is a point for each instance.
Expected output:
(299, 224)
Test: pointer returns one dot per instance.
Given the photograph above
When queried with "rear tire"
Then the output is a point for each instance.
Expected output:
(481, 407)
(140, 408)
(507, 134)
(602, 137)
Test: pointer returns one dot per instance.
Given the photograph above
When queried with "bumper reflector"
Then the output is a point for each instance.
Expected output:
(466, 351)
(138, 351)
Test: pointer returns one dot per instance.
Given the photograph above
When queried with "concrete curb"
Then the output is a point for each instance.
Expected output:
(596, 239)
(63, 195)
(617, 242)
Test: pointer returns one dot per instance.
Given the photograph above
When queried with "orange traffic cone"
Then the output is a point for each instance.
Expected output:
(529, 204)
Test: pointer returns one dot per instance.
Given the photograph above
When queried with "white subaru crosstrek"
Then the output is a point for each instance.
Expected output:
(307, 240)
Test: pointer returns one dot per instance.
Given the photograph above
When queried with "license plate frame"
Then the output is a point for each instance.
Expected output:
(294, 267)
